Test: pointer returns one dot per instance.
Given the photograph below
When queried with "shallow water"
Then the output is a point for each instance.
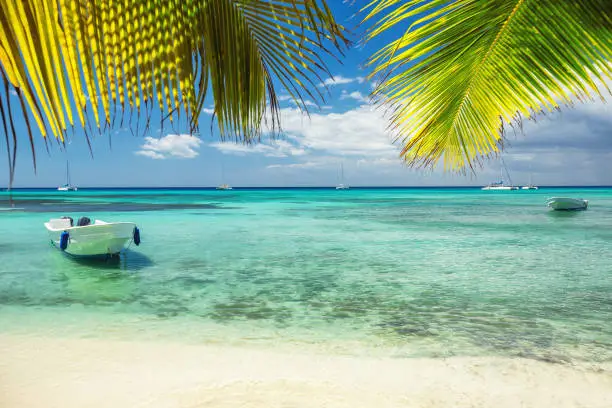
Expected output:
(402, 272)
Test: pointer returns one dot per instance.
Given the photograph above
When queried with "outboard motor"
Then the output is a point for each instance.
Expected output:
(83, 221)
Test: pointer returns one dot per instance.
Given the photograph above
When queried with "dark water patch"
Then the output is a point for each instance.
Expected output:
(13, 296)
(249, 309)
(164, 306)
(6, 247)
(128, 260)
(192, 263)
(115, 207)
(191, 281)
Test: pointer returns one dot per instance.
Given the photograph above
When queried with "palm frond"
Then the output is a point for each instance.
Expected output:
(99, 57)
(462, 68)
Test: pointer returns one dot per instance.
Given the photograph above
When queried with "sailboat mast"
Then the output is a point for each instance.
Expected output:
(67, 173)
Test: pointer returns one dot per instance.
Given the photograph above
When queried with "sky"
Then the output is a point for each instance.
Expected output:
(571, 147)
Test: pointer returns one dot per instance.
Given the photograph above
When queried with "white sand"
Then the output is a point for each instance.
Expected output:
(65, 373)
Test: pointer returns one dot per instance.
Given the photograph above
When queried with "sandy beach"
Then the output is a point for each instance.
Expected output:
(68, 372)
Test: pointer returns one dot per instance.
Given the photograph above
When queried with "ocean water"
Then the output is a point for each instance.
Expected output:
(394, 272)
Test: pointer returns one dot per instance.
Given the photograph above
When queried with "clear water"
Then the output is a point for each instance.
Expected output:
(400, 272)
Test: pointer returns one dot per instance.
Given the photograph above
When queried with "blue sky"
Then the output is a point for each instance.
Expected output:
(573, 147)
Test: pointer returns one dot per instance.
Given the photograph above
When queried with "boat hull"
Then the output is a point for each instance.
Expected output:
(94, 240)
(500, 188)
(567, 204)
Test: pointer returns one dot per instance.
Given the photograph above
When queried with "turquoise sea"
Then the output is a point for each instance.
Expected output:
(395, 272)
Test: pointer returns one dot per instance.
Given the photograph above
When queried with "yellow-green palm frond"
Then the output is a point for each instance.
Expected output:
(93, 59)
(461, 68)
(248, 44)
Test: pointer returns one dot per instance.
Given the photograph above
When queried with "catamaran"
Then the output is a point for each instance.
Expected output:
(342, 186)
(500, 185)
(67, 186)
(87, 238)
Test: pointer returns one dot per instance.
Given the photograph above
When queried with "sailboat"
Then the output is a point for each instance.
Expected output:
(529, 186)
(223, 185)
(342, 186)
(67, 186)
(500, 185)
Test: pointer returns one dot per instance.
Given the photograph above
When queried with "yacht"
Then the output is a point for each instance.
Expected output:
(67, 186)
(224, 187)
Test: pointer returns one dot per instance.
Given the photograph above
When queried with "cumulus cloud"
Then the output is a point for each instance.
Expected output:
(340, 80)
(358, 96)
(277, 148)
(573, 146)
(13, 92)
(357, 132)
(181, 146)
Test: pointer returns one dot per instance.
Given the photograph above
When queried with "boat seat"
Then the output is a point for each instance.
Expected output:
(83, 221)
(59, 223)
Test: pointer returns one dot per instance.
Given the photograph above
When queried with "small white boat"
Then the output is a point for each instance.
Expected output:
(342, 187)
(67, 186)
(567, 203)
(224, 187)
(91, 239)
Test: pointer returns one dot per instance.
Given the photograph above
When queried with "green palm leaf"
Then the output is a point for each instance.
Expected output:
(462, 68)
(99, 57)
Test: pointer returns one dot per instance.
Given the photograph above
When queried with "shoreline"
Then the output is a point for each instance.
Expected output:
(72, 372)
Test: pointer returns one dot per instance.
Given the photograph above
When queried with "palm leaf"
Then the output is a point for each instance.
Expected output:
(99, 57)
(463, 68)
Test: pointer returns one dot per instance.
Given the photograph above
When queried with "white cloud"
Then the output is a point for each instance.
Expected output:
(303, 165)
(307, 102)
(358, 96)
(13, 92)
(357, 132)
(150, 153)
(340, 80)
(208, 111)
(277, 148)
(181, 146)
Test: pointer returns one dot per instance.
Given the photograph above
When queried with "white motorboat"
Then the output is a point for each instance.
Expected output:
(91, 239)
(224, 187)
(567, 203)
